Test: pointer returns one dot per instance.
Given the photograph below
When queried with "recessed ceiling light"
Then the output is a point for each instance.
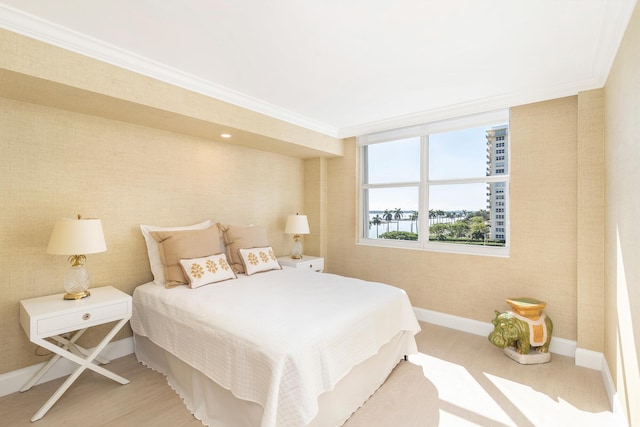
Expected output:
(225, 135)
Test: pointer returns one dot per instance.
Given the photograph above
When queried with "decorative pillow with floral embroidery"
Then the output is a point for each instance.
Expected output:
(207, 270)
(259, 259)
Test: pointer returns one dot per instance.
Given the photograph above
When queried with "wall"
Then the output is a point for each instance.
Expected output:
(543, 261)
(622, 278)
(590, 218)
(57, 163)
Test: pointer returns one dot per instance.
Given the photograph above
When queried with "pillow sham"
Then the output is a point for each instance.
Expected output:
(242, 237)
(256, 260)
(176, 245)
(157, 269)
(207, 270)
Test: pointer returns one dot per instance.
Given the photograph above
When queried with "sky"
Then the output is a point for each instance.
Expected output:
(459, 154)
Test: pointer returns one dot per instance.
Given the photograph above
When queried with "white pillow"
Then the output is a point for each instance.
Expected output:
(207, 270)
(259, 259)
(157, 269)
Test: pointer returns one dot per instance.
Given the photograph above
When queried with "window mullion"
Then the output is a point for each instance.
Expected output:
(423, 197)
(391, 185)
(489, 178)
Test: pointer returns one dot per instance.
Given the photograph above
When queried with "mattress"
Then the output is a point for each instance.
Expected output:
(279, 339)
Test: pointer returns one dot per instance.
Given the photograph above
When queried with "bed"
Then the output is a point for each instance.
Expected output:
(278, 348)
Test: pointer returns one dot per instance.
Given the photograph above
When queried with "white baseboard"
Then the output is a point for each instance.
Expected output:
(589, 359)
(560, 346)
(609, 385)
(13, 381)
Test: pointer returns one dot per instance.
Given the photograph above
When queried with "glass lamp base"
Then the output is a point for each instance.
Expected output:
(76, 282)
(296, 248)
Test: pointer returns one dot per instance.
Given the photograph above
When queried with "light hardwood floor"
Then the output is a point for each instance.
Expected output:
(458, 379)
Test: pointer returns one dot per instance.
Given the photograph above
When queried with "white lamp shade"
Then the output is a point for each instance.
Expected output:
(77, 237)
(297, 224)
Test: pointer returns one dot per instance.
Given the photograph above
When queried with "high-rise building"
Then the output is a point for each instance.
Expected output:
(497, 164)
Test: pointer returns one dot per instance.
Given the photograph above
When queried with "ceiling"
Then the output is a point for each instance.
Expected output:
(345, 67)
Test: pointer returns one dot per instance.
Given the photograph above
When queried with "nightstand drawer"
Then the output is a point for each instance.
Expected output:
(314, 264)
(311, 263)
(81, 319)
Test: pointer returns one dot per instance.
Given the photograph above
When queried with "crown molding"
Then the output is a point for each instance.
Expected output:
(473, 107)
(611, 34)
(51, 33)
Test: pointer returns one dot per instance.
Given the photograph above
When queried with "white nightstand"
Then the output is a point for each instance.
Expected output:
(52, 316)
(307, 262)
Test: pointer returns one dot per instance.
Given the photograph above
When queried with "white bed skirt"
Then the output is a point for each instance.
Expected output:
(218, 407)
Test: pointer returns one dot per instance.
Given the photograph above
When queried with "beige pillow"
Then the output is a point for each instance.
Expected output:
(242, 237)
(206, 270)
(182, 244)
(259, 259)
(157, 269)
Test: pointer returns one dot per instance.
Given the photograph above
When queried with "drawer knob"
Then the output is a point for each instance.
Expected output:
(310, 265)
(86, 316)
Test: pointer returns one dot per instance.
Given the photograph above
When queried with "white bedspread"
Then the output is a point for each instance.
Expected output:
(279, 338)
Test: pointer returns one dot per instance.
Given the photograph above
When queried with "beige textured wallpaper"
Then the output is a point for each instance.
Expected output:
(622, 157)
(543, 227)
(57, 163)
(591, 217)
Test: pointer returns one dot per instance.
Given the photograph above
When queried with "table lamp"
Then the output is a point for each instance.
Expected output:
(76, 238)
(297, 225)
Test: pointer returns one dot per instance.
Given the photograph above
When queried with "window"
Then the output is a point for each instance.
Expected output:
(434, 186)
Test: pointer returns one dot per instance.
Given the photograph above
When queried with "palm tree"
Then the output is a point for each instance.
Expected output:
(387, 216)
(451, 215)
(376, 220)
(432, 215)
(397, 214)
(414, 217)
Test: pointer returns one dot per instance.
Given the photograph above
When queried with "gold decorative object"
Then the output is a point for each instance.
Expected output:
(527, 307)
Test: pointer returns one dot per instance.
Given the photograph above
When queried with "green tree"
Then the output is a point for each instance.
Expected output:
(414, 218)
(439, 230)
(376, 220)
(478, 230)
(387, 215)
(399, 235)
(397, 215)
(432, 215)
(460, 229)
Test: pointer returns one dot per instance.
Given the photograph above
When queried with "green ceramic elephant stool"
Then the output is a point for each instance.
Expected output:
(513, 330)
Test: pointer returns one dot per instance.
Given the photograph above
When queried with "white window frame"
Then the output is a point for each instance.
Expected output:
(422, 131)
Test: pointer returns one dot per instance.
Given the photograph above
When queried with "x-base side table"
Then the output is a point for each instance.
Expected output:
(51, 316)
